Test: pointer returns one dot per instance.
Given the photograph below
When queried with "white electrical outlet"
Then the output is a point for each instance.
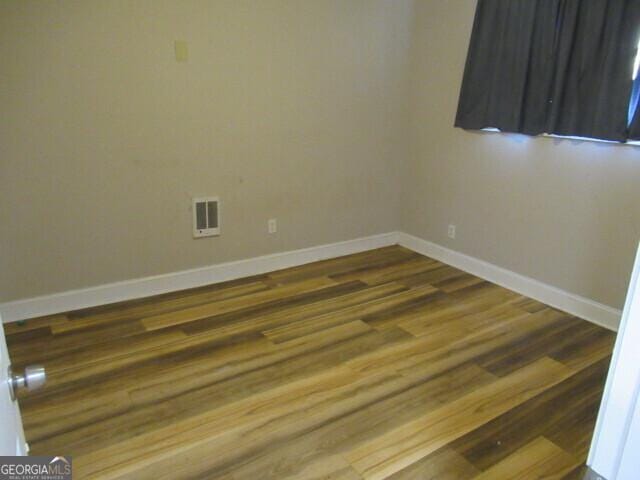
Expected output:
(272, 225)
(451, 232)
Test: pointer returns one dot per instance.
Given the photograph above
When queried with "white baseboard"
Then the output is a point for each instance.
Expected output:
(582, 307)
(144, 287)
(590, 310)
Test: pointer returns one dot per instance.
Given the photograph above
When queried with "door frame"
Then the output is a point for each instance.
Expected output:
(618, 417)
(10, 407)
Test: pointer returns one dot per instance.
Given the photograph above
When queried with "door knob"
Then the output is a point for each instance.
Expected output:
(33, 378)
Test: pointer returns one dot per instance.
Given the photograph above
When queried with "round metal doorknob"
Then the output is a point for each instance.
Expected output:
(33, 378)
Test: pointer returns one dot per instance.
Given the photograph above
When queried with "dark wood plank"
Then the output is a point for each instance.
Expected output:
(208, 322)
(403, 400)
(582, 473)
(445, 464)
(570, 407)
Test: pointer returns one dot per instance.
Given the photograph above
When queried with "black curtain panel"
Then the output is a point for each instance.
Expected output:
(594, 67)
(509, 66)
(551, 66)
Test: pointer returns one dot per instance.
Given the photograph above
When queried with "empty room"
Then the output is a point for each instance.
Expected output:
(320, 239)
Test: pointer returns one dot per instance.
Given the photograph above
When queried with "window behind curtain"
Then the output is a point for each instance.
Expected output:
(561, 67)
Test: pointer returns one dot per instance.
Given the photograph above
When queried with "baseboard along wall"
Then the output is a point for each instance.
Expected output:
(197, 277)
(582, 307)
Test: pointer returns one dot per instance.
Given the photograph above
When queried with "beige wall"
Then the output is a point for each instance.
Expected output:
(564, 212)
(333, 116)
(286, 109)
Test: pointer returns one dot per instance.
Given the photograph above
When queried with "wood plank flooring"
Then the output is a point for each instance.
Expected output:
(380, 365)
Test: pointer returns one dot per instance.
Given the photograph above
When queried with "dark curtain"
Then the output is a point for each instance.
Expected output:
(551, 66)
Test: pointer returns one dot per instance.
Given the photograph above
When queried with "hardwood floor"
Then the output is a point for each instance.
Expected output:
(380, 365)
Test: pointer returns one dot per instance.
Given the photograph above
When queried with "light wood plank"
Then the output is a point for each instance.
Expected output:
(299, 328)
(159, 306)
(164, 320)
(390, 273)
(404, 399)
(400, 448)
(444, 464)
(539, 459)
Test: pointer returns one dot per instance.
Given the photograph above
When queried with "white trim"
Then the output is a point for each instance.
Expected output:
(582, 307)
(622, 390)
(629, 461)
(628, 143)
(590, 310)
(144, 287)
